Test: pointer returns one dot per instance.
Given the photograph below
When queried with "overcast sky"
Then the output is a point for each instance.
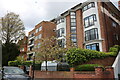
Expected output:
(33, 12)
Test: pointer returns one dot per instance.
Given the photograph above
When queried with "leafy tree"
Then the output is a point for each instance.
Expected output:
(9, 52)
(12, 28)
(48, 50)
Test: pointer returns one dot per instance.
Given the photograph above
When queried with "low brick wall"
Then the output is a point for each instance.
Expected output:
(98, 73)
(108, 61)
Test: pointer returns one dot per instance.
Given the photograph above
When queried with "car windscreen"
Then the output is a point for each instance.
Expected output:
(13, 71)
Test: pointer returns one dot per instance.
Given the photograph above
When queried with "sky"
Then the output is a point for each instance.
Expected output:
(33, 12)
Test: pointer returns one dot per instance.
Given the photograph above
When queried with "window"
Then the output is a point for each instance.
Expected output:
(61, 43)
(114, 24)
(93, 46)
(37, 30)
(72, 13)
(73, 29)
(90, 5)
(40, 28)
(91, 34)
(40, 36)
(73, 39)
(73, 24)
(86, 22)
(90, 20)
(73, 20)
(116, 36)
(60, 20)
(60, 32)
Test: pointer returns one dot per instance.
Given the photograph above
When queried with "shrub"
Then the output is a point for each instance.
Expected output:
(113, 49)
(14, 63)
(27, 63)
(74, 57)
(92, 54)
(17, 63)
(87, 67)
(111, 54)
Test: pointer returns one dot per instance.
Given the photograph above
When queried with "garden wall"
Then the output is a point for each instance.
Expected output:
(97, 74)
(108, 61)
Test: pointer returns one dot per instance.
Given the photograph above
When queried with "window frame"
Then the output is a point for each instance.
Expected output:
(92, 45)
(87, 6)
(88, 35)
(88, 20)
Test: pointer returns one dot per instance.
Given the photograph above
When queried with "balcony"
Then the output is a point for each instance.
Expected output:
(32, 37)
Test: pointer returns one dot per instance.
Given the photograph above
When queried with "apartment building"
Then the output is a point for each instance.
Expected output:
(44, 29)
(90, 25)
(23, 47)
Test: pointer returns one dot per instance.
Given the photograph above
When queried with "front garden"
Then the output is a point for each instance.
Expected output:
(78, 58)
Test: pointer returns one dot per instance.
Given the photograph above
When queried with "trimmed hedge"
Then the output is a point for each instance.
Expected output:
(87, 67)
(14, 63)
(27, 63)
(17, 63)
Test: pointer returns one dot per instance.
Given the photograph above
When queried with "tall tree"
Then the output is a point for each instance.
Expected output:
(12, 28)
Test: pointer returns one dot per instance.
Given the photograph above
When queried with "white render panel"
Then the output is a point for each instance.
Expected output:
(89, 12)
(62, 25)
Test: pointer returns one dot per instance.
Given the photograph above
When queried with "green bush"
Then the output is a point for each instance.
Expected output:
(17, 63)
(117, 46)
(111, 54)
(87, 67)
(92, 54)
(113, 49)
(14, 63)
(27, 63)
(74, 57)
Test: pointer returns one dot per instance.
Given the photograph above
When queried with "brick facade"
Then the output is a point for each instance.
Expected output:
(107, 15)
(23, 47)
(107, 30)
(44, 29)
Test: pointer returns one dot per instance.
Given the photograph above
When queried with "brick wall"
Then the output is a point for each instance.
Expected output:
(98, 73)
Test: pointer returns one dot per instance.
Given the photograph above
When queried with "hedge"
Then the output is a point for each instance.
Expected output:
(17, 63)
(76, 56)
(87, 67)
(14, 63)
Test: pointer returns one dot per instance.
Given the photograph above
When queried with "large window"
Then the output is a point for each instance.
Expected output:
(91, 34)
(90, 5)
(93, 46)
(90, 20)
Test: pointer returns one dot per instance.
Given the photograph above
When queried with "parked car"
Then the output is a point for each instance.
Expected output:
(14, 73)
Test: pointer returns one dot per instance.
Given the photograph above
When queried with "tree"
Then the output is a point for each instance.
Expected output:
(12, 28)
(9, 52)
(49, 50)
